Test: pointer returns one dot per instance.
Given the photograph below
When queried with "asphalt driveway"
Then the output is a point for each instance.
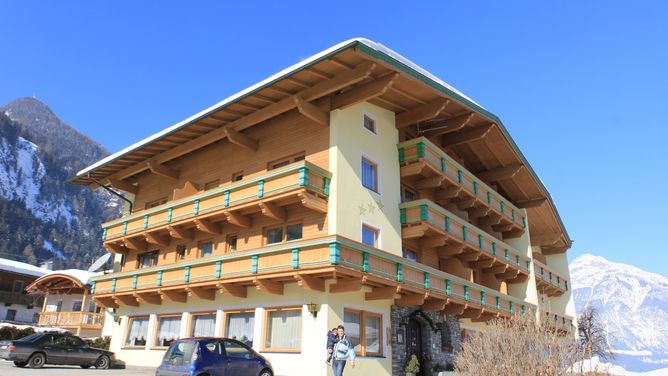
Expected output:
(8, 369)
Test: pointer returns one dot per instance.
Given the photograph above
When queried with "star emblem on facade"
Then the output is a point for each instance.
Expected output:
(372, 208)
(362, 209)
(380, 204)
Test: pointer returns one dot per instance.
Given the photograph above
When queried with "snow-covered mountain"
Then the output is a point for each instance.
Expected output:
(634, 307)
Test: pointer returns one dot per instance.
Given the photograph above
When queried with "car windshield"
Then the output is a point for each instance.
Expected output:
(32, 337)
(180, 353)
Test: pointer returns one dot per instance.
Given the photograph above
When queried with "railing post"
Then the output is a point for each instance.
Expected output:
(489, 197)
(186, 277)
(475, 188)
(565, 285)
(506, 255)
(424, 214)
(494, 248)
(460, 178)
(125, 228)
(113, 284)
(466, 293)
(480, 241)
(196, 207)
(402, 215)
(104, 234)
(447, 224)
(443, 165)
(170, 211)
(303, 176)
(501, 205)
(295, 258)
(226, 198)
(448, 287)
(92, 287)
(420, 151)
(365, 262)
(145, 220)
(511, 307)
(498, 303)
(219, 268)
(334, 253)
(134, 281)
(524, 222)
(260, 188)
(482, 298)
(254, 264)
(427, 280)
(529, 266)
(158, 282)
(402, 155)
(517, 260)
(464, 233)
(325, 185)
(400, 273)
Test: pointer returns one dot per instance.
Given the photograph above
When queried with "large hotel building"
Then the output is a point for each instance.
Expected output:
(353, 188)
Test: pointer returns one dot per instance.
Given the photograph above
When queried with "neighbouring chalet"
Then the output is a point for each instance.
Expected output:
(353, 188)
(16, 305)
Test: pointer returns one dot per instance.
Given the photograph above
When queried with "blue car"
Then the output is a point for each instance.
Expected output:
(212, 357)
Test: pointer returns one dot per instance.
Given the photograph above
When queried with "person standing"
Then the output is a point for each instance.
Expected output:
(332, 338)
(343, 351)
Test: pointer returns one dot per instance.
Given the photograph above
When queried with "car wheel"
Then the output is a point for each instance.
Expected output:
(84, 367)
(103, 362)
(20, 364)
(265, 372)
(37, 360)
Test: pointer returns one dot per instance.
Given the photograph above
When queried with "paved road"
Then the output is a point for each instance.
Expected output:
(8, 369)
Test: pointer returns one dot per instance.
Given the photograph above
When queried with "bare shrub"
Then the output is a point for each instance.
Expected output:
(593, 336)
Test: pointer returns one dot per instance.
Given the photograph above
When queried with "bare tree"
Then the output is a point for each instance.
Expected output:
(593, 336)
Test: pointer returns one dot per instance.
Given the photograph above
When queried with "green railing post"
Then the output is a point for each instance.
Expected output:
(517, 260)
(92, 287)
(443, 164)
(134, 281)
(447, 224)
(501, 205)
(494, 248)
(334, 253)
(365, 262)
(542, 273)
(529, 266)
(498, 303)
(480, 241)
(169, 214)
(460, 178)
(402, 215)
(464, 233)
(303, 177)
(427, 281)
(260, 188)
(196, 207)
(226, 198)
(325, 185)
(402, 155)
(424, 214)
(219, 268)
(420, 151)
(475, 188)
(511, 307)
(448, 287)
(125, 227)
(295, 258)
(466, 293)
(104, 234)
(159, 280)
(145, 220)
(400, 273)
(506, 255)
(524, 222)
(482, 297)
(254, 262)
(489, 197)
(186, 276)
(113, 284)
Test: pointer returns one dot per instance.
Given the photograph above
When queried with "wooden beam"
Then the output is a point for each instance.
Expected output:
(174, 296)
(347, 285)
(127, 300)
(421, 113)
(434, 305)
(465, 203)
(479, 212)
(501, 173)
(162, 170)
(155, 239)
(531, 203)
(498, 269)
(432, 242)
(382, 293)
(410, 300)
(106, 302)
(489, 220)
(468, 257)
(503, 227)
(471, 313)
(115, 248)
(364, 92)
(178, 232)
(124, 186)
(483, 264)
(545, 239)
(202, 293)
(233, 290)
(241, 139)
(149, 298)
(208, 227)
(310, 283)
(413, 232)
(431, 182)
(136, 244)
(313, 202)
(466, 136)
(453, 309)
(271, 287)
(312, 112)
(449, 125)
(450, 250)
(412, 169)
(448, 193)
(239, 219)
(272, 211)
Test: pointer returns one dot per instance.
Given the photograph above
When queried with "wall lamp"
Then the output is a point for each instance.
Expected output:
(313, 309)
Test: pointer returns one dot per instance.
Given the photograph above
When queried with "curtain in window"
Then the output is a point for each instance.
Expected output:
(368, 175)
(168, 330)
(137, 332)
(372, 333)
(351, 320)
(284, 329)
(240, 327)
(203, 325)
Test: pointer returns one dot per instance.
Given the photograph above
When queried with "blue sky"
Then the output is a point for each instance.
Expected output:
(580, 85)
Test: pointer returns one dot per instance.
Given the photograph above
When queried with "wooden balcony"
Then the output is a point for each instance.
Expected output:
(72, 320)
(451, 237)
(309, 263)
(548, 281)
(426, 166)
(558, 322)
(10, 297)
(300, 183)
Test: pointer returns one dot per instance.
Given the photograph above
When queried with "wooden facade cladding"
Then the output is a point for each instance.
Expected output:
(451, 237)
(298, 183)
(72, 320)
(428, 167)
(548, 281)
(309, 263)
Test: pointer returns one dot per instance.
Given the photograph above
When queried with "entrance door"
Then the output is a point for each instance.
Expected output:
(414, 341)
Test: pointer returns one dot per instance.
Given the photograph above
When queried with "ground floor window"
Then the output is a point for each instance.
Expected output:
(203, 325)
(283, 327)
(364, 329)
(167, 330)
(137, 331)
(240, 325)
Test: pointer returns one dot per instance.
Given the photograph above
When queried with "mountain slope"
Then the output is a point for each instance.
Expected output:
(634, 307)
(41, 216)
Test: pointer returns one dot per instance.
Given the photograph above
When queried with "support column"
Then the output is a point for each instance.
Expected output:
(218, 327)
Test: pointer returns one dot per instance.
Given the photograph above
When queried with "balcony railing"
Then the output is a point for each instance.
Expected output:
(88, 320)
(548, 281)
(310, 263)
(18, 298)
(421, 158)
(559, 322)
(301, 181)
(423, 219)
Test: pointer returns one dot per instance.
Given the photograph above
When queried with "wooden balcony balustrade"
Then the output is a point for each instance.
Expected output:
(75, 319)
(428, 167)
(300, 182)
(452, 237)
(309, 263)
(548, 281)
(561, 323)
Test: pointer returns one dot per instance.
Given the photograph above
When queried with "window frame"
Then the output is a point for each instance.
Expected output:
(265, 332)
(376, 173)
(156, 329)
(155, 203)
(405, 250)
(178, 255)
(284, 235)
(228, 244)
(287, 160)
(127, 332)
(213, 184)
(226, 317)
(154, 261)
(363, 314)
(376, 231)
(199, 247)
(404, 189)
(191, 320)
(237, 176)
(18, 282)
(374, 123)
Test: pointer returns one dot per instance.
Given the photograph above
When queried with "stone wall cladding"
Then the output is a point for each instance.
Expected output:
(431, 341)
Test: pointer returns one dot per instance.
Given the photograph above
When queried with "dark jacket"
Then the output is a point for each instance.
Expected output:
(332, 339)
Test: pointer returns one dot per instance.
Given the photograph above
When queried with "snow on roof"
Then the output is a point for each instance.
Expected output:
(292, 69)
(82, 276)
(21, 268)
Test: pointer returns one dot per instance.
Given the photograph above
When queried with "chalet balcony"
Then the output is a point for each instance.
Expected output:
(309, 263)
(434, 227)
(10, 297)
(72, 320)
(299, 183)
(426, 166)
(548, 281)
(558, 322)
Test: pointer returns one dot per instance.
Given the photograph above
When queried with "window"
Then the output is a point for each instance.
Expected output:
(410, 254)
(285, 161)
(11, 314)
(275, 235)
(291, 232)
(237, 176)
(59, 306)
(240, 326)
(408, 194)
(283, 329)
(370, 236)
(212, 185)
(364, 329)
(369, 123)
(369, 175)
(236, 350)
(182, 353)
(294, 232)
(154, 203)
(202, 325)
(18, 286)
(148, 259)
(180, 252)
(76, 306)
(137, 331)
(167, 330)
(232, 243)
(92, 307)
(205, 249)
